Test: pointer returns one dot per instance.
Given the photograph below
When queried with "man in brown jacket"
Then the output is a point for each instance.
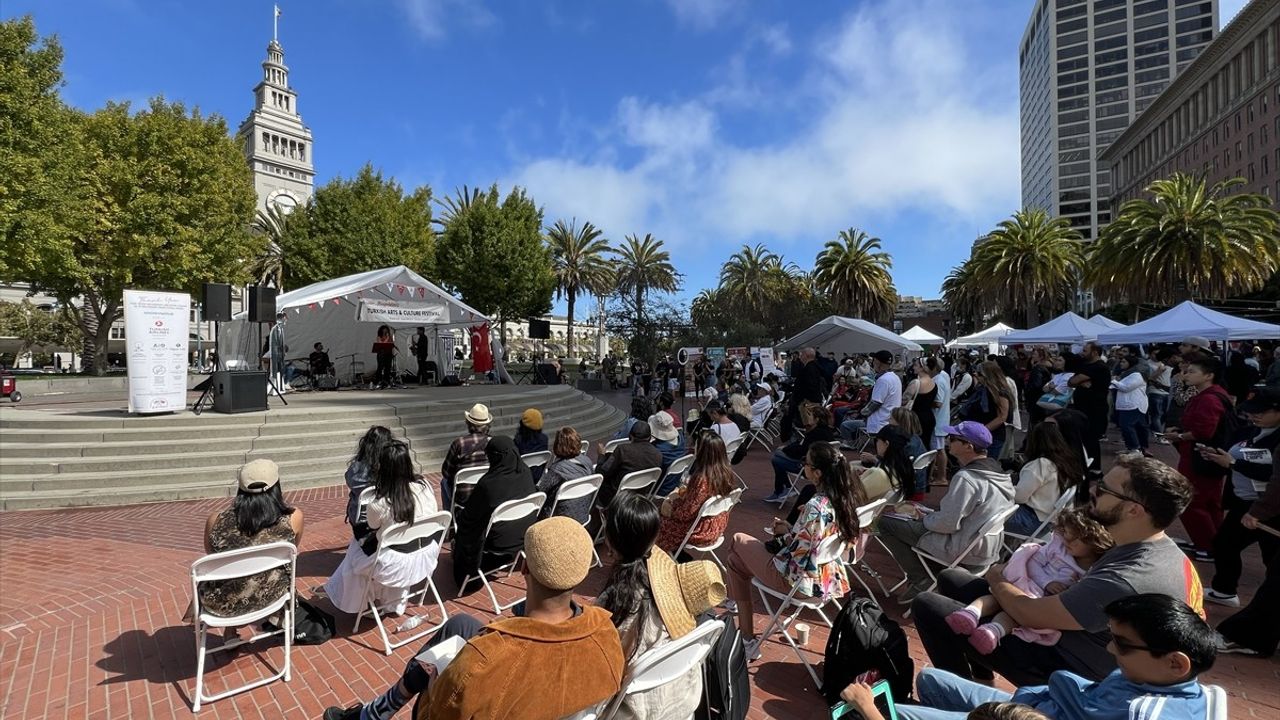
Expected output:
(571, 652)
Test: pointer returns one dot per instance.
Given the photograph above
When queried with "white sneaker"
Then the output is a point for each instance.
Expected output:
(1214, 596)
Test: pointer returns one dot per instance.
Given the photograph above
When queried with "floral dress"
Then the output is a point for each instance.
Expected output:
(796, 560)
(685, 506)
(228, 598)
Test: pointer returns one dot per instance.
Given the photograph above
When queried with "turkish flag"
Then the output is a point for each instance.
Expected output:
(481, 355)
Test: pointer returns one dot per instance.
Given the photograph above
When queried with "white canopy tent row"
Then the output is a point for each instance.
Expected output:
(991, 338)
(843, 335)
(345, 313)
(1187, 319)
(1107, 322)
(1066, 328)
(921, 336)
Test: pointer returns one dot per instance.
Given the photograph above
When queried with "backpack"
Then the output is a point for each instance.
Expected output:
(726, 687)
(311, 625)
(863, 639)
(741, 453)
(1223, 436)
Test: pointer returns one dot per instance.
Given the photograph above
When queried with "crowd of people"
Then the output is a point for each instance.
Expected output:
(1099, 610)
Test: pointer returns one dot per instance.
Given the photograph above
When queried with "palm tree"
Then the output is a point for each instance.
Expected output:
(854, 273)
(578, 260)
(451, 207)
(749, 278)
(1187, 241)
(1030, 262)
(269, 266)
(642, 265)
(963, 293)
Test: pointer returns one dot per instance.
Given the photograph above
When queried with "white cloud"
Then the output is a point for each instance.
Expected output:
(700, 14)
(428, 18)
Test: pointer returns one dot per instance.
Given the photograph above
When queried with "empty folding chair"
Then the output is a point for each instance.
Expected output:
(509, 511)
(583, 488)
(711, 508)
(233, 565)
(643, 482)
(665, 663)
(423, 532)
(675, 475)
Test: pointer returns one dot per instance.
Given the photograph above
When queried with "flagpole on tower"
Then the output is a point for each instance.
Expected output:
(275, 24)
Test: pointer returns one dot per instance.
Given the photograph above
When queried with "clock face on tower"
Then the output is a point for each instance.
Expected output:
(285, 202)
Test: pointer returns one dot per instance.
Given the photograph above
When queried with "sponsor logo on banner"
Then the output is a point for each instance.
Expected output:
(395, 311)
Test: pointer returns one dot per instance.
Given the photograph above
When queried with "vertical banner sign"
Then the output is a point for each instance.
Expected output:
(157, 326)
(716, 356)
(766, 361)
(689, 357)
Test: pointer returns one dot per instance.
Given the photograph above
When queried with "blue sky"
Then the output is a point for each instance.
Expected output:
(709, 123)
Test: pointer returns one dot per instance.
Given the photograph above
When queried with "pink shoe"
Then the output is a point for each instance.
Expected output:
(962, 622)
(985, 639)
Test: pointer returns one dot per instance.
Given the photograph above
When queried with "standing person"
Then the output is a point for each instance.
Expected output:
(529, 437)
(701, 371)
(1273, 370)
(806, 386)
(1254, 629)
(885, 396)
(1204, 412)
(508, 479)
(385, 350)
(1038, 375)
(421, 349)
(925, 396)
(1158, 387)
(989, 405)
(1240, 377)
(1090, 384)
(1132, 405)
(278, 348)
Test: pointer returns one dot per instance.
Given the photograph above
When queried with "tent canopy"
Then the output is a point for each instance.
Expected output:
(1189, 318)
(991, 336)
(1066, 328)
(327, 312)
(1106, 322)
(848, 335)
(918, 334)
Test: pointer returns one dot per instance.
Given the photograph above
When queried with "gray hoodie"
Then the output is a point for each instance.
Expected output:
(979, 492)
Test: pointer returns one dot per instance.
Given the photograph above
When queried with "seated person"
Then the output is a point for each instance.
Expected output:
(258, 515)
(790, 457)
(654, 601)
(319, 361)
(719, 422)
(466, 451)
(641, 409)
(508, 478)
(359, 473)
(568, 462)
(740, 411)
(859, 395)
(1135, 502)
(666, 401)
(761, 404)
(669, 442)
(908, 422)
(832, 510)
(1052, 468)
(399, 496)
(1160, 645)
(573, 651)
(637, 454)
(889, 468)
(710, 476)
(978, 492)
(1037, 570)
(529, 437)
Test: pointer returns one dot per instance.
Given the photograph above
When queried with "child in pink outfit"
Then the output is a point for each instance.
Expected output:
(1037, 570)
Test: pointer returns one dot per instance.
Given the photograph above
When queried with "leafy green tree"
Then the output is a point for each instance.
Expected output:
(492, 253)
(641, 265)
(356, 225)
(853, 272)
(1187, 241)
(37, 328)
(578, 259)
(1030, 263)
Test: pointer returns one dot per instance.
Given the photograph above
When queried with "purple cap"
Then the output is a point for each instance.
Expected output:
(975, 433)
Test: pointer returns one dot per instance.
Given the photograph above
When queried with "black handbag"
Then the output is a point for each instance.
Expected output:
(311, 625)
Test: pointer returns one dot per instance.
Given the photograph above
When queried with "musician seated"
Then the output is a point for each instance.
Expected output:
(319, 361)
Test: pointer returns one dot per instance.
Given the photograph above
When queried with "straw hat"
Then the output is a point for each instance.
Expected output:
(684, 591)
(258, 476)
(478, 414)
(558, 552)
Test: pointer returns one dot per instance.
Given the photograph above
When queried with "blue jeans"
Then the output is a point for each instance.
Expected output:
(1024, 521)
(783, 464)
(850, 427)
(1133, 428)
(1155, 414)
(944, 696)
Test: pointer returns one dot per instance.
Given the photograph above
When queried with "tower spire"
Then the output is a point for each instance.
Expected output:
(275, 24)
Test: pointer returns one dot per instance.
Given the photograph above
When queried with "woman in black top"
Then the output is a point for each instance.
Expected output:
(385, 349)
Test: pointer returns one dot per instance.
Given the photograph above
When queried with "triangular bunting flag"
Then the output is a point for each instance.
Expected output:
(335, 300)
(322, 303)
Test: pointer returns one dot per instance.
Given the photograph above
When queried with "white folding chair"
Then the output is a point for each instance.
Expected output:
(867, 515)
(231, 565)
(711, 508)
(425, 530)
(509, 511)
(666, 663)
(732, 446)
(993, 528)
(584, 447)
(679, 467)
(641, 481)
(614, 444)
(924, 460)
(763, 433)
(1216, 698)
(1064, 502)
(466, 477)
(831, 549)
(537, 459)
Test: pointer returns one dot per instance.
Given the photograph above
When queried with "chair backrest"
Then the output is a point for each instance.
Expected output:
(732, 446)
(736, 495)
(422, 529)
(680, 465)
(584, 446)
(613, 444)
(924, 460)
(715, 506)
(537, 459)
(517, 509)
(668, 662)
(640, 479)
(244, 562)
(465, 476)
(584, 487)
(830, 549)
(1216, 697)
(868, 513)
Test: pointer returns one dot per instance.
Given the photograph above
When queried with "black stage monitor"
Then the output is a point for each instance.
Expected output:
(262, 304)
(540, 329)
(237, 392)
(216, 301)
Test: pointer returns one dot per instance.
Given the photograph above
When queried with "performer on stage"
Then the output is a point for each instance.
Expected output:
(420, 347)
(385, 350)
(319, 362)
(277, 348)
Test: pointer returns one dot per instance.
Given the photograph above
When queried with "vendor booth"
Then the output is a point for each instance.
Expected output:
(920, 336)
(1066, 328)
(1189, 318)
(842, 335)
(1106, 322)
(991, 338)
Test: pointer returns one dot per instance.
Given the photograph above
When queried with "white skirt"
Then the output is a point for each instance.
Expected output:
(385, 577)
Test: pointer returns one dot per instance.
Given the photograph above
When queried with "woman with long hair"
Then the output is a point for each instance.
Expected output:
(740, 411)
(568, 462)
(1074, 426)
(710, 476)
(893, 469)
(384, 348)
(833, 510)
(641, 409)
(1053, 467)
(653, 601)
(399, 496)
(360, 473)
(990, 404)
(921, 394)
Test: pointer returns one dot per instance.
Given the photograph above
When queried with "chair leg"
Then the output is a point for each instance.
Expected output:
(289, 615)
(201, 635)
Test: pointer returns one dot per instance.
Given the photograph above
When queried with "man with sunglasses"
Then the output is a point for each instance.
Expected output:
(1135, 501)
(1158, 643)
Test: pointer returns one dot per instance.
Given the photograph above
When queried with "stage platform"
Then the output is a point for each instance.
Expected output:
(74, 450)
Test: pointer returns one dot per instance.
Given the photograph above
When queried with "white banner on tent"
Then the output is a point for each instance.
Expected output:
(766, 361)
(372, 310)
(157, 326)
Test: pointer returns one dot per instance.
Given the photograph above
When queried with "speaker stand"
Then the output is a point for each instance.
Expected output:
(206, 395)
(274, 389)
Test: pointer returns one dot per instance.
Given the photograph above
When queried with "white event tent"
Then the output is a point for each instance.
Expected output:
(921, 336)
(990, 338)
(848, 335)
(1066, 328)
(1107, 322)
(329, 312)
(1189, 318)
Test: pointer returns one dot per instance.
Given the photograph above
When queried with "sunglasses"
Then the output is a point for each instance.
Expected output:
(1101, 487)
(1124, 647)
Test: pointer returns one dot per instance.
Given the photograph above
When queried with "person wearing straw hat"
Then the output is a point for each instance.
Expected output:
(465, 451)
(554, 659)
(654, 600)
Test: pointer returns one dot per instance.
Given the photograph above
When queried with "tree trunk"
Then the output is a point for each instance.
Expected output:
(569, 334)
(88, 324)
